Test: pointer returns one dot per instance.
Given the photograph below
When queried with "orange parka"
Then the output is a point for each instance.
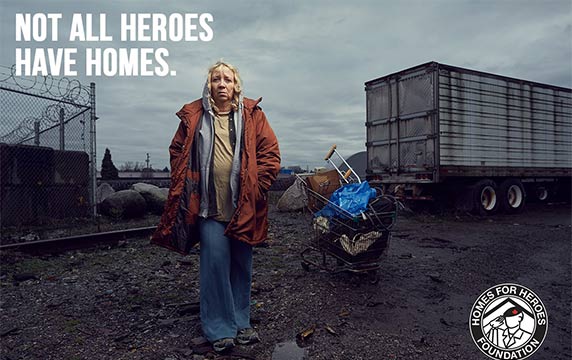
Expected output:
(260, 163)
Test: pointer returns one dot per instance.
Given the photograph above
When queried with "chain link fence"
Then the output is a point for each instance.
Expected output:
(47, 151)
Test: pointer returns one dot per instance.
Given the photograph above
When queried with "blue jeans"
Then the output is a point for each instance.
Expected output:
(225, 278)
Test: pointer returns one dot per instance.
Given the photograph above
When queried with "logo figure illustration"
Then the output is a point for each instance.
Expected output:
(508, 321)
(506, 331)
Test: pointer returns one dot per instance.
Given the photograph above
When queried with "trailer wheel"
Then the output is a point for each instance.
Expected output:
(542, 193)
(512, 196)
(484, 196)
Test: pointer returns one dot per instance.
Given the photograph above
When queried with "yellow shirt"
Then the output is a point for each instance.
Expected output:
(222, 166)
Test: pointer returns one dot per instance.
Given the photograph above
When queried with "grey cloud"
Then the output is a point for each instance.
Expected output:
(309, 61)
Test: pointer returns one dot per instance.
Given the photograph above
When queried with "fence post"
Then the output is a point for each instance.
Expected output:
(93, 149)
(37, 133)
(62, 130)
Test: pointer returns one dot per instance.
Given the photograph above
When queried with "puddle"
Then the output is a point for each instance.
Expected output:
(289, 350)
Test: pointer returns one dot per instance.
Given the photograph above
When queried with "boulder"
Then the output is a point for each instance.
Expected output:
(294, 198)
(103, 191)
(153, 195)
(125, 204)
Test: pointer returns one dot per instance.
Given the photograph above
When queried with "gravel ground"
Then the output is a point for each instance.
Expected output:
(138, 301)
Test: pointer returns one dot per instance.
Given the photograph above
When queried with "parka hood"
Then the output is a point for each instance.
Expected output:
(206, 95)
(203, 103)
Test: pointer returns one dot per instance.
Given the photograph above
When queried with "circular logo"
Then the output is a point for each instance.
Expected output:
(508, 321)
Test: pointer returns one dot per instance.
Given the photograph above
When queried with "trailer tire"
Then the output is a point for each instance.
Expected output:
(542, 193)
(512, 196)
(485, 197)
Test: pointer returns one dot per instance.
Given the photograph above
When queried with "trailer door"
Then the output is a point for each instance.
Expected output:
(402, 141)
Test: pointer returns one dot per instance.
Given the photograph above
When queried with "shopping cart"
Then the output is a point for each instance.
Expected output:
(356, 241)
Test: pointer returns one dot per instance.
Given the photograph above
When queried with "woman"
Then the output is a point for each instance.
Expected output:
(224, 157)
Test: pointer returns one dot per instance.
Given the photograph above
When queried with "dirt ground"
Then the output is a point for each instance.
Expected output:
(137, 301)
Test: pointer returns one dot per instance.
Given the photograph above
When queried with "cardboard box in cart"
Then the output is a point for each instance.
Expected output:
(323, 183)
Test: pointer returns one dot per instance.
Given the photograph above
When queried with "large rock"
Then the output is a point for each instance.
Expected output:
(125, 204)
(153, 195)
(103, 191)
(294, 198)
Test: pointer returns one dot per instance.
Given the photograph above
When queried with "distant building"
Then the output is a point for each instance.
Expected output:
(145, 174)
(296, 169)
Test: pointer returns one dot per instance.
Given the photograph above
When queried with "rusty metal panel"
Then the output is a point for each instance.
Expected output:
(487, 120)
(401, 136)
(417, 155)
(377, 158)
(415, 93)
(378, 132)
(413, 127)
(378, 103)
(434, 116)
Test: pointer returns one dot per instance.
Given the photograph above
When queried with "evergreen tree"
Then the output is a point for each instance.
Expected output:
(108, 170)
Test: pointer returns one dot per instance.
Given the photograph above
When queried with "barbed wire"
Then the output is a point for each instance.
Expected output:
(61, 88)
(70, 96)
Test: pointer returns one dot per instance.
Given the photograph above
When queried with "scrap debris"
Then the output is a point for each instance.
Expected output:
(305, 334)
(330, 330)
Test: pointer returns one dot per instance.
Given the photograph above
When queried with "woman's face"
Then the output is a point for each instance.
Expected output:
(222, 87)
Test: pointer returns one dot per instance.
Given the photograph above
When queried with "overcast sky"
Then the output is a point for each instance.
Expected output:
(307, 59)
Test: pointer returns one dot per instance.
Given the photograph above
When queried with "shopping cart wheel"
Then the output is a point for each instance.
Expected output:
(305, 266)
(373, 276)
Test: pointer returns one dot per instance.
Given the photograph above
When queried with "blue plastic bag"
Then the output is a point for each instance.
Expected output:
(353, 198)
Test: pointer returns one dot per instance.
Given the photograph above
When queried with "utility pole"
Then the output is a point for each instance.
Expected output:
(92, 151)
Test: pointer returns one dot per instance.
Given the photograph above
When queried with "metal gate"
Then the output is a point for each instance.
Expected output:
(47, 149)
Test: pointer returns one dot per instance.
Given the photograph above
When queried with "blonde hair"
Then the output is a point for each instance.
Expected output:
(237, 84)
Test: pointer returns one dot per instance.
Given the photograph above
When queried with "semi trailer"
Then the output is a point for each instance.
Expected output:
(480, 141)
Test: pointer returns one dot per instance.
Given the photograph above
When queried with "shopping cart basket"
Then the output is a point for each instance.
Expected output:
(356, 241)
